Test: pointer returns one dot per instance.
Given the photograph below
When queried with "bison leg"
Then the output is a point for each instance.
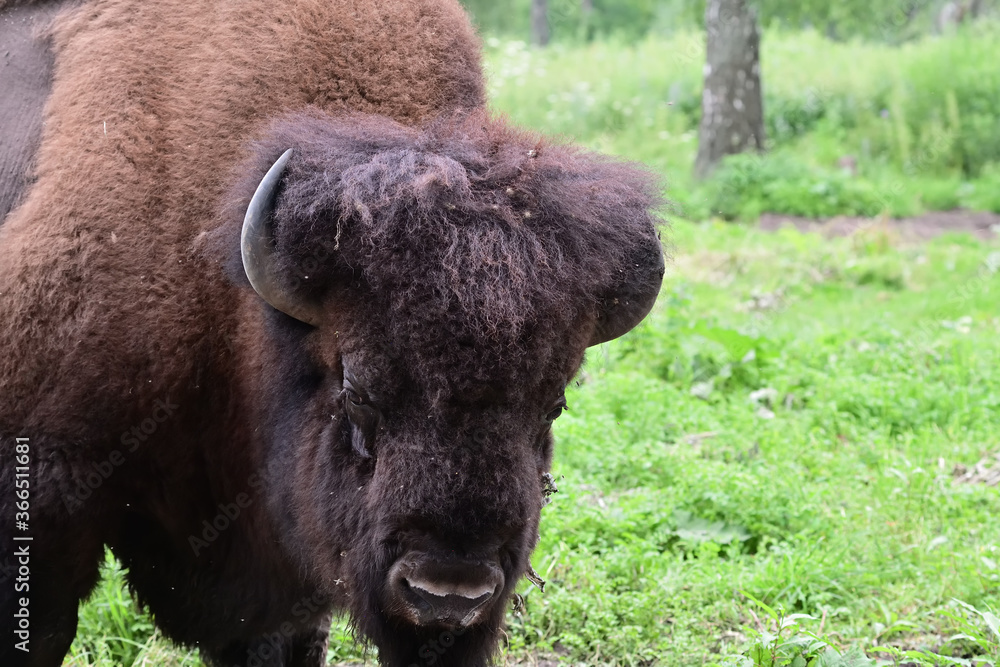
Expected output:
(309, 649)
(50, 634)
(306, 649)
(44, 578)
(50, 551)
(268, 652)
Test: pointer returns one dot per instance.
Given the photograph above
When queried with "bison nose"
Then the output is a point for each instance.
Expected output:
(453, 595)
(449, 603)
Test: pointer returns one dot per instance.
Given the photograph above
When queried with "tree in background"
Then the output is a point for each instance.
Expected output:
(587, 20)
(732, 118)
(539, 22)
(956, 13)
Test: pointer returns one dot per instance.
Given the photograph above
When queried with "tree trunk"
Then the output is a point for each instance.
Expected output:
(732, 119)
(949, 17)
(587, 20)
(539, 22)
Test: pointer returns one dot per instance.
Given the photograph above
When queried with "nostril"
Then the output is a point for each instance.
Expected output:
(423, 605)
(442, 590)
(449, 603)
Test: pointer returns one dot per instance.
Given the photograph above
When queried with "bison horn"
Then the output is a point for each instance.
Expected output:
(633, 300)
(257, 245)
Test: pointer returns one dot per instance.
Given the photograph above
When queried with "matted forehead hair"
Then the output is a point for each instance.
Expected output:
(466, 222)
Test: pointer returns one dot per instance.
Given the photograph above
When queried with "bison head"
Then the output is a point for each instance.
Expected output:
(431, 293)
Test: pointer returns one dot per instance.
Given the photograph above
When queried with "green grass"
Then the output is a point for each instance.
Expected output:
(784, 429)
(814, 474)
(113, 631)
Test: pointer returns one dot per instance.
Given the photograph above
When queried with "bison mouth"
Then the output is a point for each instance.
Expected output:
(432, 608)
(452, 594)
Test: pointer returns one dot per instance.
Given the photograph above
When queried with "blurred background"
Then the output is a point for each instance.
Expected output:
(869, 106)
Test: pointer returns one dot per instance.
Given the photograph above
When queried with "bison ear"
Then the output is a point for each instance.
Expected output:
(634, 295)
(257, 246)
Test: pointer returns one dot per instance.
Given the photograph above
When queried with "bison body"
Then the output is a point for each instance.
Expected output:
(285, 383)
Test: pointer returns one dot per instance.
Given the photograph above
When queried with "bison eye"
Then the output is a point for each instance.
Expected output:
(554, 413)
(364, 418)
(353, 397)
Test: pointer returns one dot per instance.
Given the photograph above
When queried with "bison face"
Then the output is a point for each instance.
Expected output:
(430, 450)
(440, 287)
(452, 442)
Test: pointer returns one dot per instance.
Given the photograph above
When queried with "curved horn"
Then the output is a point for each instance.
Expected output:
(257, 246)
(635, 297)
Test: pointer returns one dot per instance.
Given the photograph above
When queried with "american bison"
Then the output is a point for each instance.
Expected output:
(285, 319)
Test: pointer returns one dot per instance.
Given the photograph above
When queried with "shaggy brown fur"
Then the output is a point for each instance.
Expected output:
(460, 269)
(507, 227)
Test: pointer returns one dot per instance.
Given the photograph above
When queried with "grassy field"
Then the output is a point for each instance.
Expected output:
(799, 437)
(786, 428)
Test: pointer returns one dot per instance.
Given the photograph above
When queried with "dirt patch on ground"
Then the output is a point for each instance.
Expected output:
(979, 224)
(987, 472)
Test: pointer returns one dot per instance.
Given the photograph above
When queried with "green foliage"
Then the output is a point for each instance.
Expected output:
(506, 18)
(984, 193)
(783, 644)
(878, 20)
(747, 185)
(780, 641)
(915, 129)
(890, 21)
(976, 640)
(819, 496)
(112, 629)
(629, 19)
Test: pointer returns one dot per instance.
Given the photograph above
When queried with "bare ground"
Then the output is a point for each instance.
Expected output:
(980, 224)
